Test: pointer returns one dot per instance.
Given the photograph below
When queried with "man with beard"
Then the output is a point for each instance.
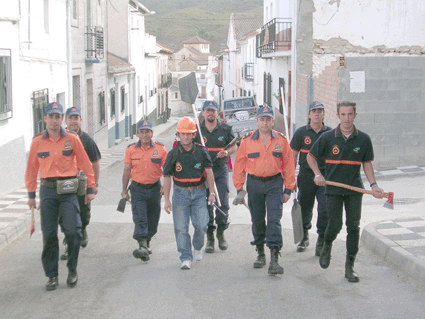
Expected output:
(216, 136)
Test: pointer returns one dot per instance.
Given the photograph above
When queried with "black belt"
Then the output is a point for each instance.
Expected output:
(264, 179)
(52, 182)
(146, 186)
(192, 187)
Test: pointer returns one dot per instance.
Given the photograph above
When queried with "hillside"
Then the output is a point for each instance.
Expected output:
(178, 20)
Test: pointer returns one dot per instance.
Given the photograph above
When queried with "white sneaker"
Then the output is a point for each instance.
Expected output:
(185, 264)
(198, 255)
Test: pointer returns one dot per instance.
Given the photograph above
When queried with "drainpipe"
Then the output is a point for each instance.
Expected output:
(69, 52)
(294, 67)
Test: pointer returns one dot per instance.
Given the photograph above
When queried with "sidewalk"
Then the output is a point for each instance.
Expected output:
(15, 217)
(400, 242)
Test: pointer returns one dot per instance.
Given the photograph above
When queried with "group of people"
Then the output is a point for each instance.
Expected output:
(265, 160)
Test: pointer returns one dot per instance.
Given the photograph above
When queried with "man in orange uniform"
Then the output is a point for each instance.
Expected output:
(57, 154)
(265, 155)
(143, 164)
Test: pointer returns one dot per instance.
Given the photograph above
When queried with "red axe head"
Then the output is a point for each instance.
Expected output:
(390, 202)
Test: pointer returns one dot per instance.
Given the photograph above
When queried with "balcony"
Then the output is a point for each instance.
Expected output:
(164, 80)
(275, 38)
(94, 45)
(248, 72)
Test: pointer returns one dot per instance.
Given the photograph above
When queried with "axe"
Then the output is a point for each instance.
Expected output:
(32, 221)
(219, 209)
(121, 204)
(239, 199)
(232, 142)
(390, 195)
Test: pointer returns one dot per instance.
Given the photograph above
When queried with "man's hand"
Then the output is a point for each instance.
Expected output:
(124, 194)
(161, 191)
(286, 198)
(223, 153)
(168, 206)
(89, 198)
(211, 199)
(319, 180)
(31, 203)
(96, 190)
(378, 192)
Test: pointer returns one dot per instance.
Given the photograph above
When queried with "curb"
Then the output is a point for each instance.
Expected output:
(393, 253)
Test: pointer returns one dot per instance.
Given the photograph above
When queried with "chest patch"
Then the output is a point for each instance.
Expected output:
(277, 147)
(335, 150)
(221, 138)
(307, 140)
(198, 165)
(356, 150)
(179, 167)
(67, 145)
(155, 153)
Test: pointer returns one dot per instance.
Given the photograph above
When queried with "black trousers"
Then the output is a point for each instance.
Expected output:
(221, 177)
(307, 192)
(353, 209)
(54, 205)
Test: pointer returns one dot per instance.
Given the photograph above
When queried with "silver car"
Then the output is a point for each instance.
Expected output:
(240, 113)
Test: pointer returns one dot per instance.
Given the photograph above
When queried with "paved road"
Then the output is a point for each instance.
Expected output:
(113, 284)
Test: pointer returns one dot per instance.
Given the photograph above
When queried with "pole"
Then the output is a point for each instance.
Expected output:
(284, 114)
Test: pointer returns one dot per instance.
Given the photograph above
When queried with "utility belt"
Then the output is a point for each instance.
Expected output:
(147, 186)
(191, 187)
(264, 179)
(67, 185)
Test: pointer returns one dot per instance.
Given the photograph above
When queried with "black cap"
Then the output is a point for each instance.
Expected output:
(210, 105)
(315, 105)
(53, 108)
(73, 111)
(265, 111)
(144, 125)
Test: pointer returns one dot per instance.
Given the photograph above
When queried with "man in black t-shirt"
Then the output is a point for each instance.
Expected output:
(301, 142)
(344, 149)
(73, 123)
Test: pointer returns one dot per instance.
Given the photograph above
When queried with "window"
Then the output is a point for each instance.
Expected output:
(102, 110)
(39, 101)
(122, 98)
(112, 97)
(5, 85)
(267, 89)
(46, 16)
(74, 13)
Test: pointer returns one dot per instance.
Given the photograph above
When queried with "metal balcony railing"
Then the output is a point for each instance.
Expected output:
(165, 80)
(248, 71)
(94, 43)
(275, 36)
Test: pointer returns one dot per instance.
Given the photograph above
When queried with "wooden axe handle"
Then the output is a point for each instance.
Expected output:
(352, 188)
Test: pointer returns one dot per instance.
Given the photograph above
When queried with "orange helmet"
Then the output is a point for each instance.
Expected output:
(186, 125)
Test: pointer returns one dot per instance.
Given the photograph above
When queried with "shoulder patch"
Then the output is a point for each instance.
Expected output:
(159, 143)
(248, 134)
(38, 134)
(131, 144)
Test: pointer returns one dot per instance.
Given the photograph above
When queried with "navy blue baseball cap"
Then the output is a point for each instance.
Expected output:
(53, 108)
(73, 111)
(144, 125)
(315, 105)
(210, 105)
(265, 111)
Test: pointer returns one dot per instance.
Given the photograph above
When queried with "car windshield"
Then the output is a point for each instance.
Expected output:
(238, 104)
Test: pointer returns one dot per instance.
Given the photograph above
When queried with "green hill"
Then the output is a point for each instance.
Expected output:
(178, 20)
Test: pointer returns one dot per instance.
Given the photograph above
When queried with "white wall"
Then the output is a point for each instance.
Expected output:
(391, 23)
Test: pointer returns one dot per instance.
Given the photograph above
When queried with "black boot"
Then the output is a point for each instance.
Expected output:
(72, 278)
(209, 248)
(325, 256)
(222, 243)
(319, 245)
(84, 239)
(275, 268)
(261, 258)
(148, 246)
(142, 252)
(52, 284)
(65, 256)
(303, 243)
(350, 274)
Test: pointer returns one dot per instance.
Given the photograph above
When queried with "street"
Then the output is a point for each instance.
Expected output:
(113, 284)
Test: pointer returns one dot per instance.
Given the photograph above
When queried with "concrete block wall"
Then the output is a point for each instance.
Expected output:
(392, 108)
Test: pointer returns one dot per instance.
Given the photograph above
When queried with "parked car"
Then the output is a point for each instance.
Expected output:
(240, 113)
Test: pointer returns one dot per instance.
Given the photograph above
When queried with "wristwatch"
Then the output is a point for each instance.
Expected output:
(97, 184)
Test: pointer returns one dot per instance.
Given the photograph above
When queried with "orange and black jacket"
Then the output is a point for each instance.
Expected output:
(57, 159)
(263, 161)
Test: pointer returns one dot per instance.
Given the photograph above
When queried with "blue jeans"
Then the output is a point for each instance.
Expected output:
(189, 204)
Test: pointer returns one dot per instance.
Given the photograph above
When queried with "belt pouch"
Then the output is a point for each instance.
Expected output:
(67, 186)
(82, 184)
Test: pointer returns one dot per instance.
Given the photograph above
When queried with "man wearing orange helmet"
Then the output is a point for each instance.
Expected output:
(187, 163)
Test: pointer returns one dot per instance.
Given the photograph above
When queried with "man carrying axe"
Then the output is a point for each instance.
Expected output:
(143, 163)
(265, 155)
(217, 138)
(344, 149)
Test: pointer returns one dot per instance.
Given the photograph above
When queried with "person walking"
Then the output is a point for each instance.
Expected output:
(301, 142)
(143, 164)
(73, 122)
(57, 156)
(187, 163)
(216, 137)
(344, 149)
(265, 155)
